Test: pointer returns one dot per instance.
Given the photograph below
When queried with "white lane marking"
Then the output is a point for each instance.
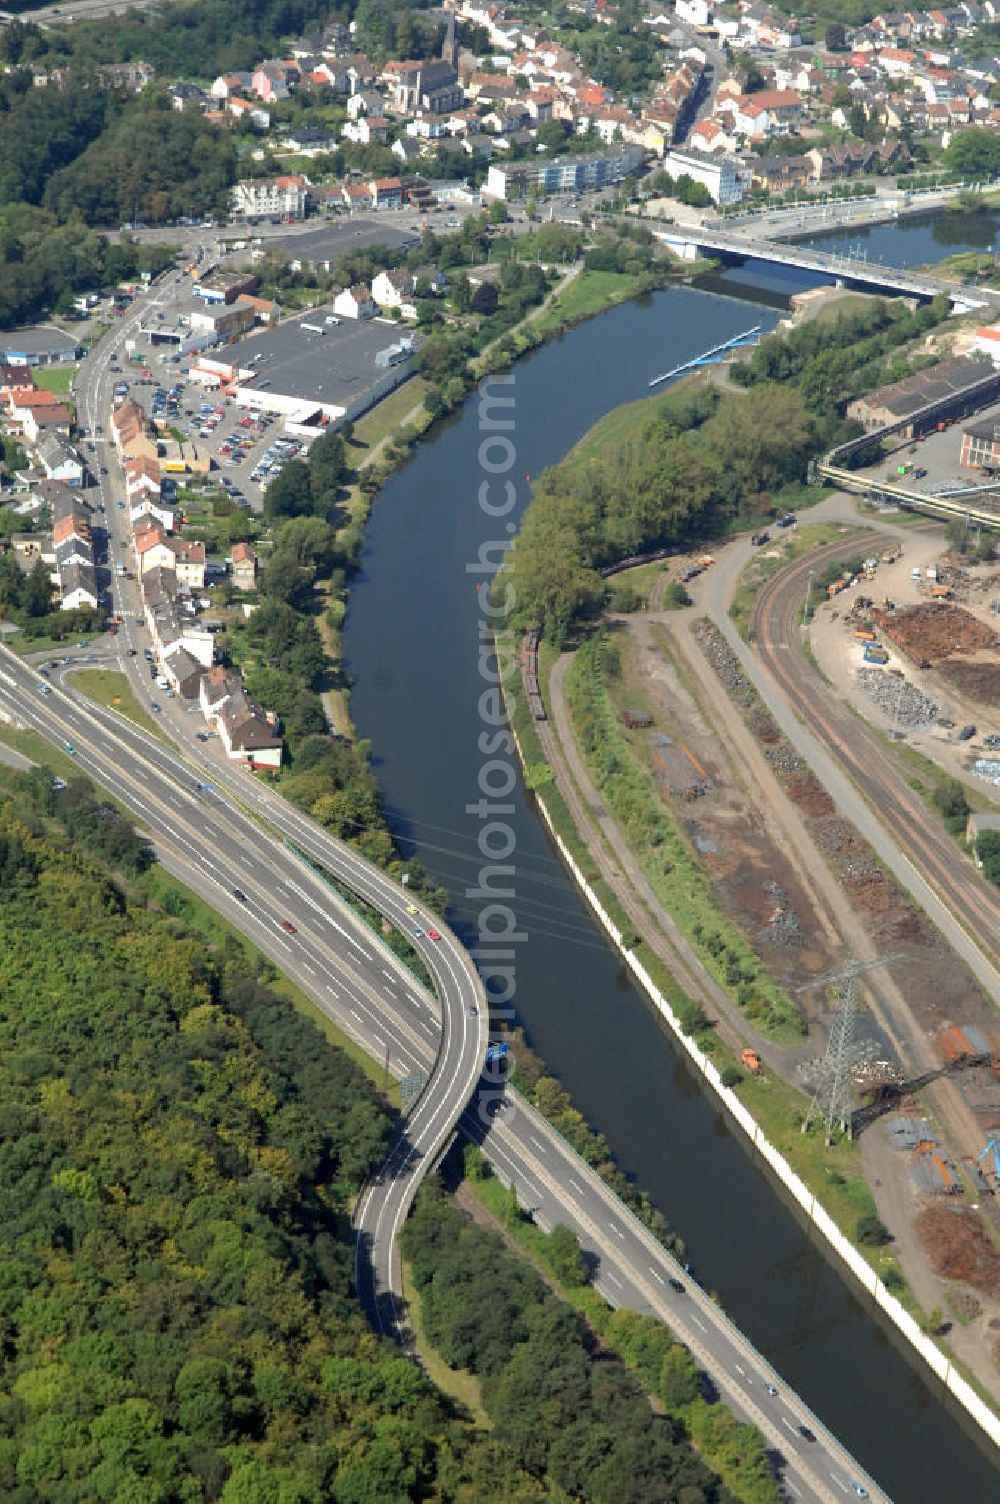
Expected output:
(426, 1027)
(841, 1486)
(698, 1322)
(389, 976)
(657, 1277)
(333, 991)
(311, 969)
(576, 1188)
(537, 1143)
(786, 1422)
(739, 1370)
(792, 1489)
(617, 1230)
(609, 1274)
(356, 1014)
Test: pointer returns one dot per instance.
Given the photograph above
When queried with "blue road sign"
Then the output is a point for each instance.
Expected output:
(497, 1052)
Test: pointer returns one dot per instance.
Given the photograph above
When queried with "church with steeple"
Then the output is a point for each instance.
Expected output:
(429, 88)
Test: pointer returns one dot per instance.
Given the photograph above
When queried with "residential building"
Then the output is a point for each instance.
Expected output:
(511, 180)
(726, 178)
(59, 460)
(393, 289)
(244, 567)
(79, 587)
(283, 196)
(355, 303)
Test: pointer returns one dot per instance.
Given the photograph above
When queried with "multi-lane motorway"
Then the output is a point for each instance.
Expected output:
(218, 843)
(222, 831)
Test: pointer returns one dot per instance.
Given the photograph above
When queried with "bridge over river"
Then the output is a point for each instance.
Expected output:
(687, 239)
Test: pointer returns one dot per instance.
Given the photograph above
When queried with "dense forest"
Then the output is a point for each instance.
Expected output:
(574, 1417)
(178, 1153)
(700, 462)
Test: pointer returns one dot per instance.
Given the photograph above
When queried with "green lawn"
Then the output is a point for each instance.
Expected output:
(586, 295)
(110, 687)
(34, 746)
(377, 424)
(58, 379)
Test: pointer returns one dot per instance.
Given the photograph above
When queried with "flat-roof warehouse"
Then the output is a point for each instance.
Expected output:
(315, 365)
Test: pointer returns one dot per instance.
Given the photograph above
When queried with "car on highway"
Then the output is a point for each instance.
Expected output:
(770, 1389)
(69, 747)
(411, 908)
(807, 1434)
(966, 734)
(288, 927)
(433, 934)
(154, 707)
(473, 1010)
(859, 1489)
(675, 1284)
(239, 893)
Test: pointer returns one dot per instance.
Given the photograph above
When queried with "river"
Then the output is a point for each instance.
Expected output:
(411, 648)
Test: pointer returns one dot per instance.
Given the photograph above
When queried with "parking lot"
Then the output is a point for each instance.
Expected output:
(248, 450)
(933, 460)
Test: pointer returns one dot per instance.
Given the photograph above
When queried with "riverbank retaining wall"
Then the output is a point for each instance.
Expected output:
(936, 1360)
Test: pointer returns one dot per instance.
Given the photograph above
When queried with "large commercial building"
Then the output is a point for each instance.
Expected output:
(39, 345)
(314, 368)
(726, 178)
(539, 174)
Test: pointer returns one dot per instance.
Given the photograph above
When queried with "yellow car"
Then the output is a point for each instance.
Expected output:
(411, 908)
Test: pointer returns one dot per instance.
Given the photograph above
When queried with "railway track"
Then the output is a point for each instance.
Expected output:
(860, 751)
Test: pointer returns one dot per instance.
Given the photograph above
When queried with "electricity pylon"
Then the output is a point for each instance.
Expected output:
(832, 1073)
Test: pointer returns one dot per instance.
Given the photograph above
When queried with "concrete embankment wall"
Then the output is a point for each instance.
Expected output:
(936, 1360)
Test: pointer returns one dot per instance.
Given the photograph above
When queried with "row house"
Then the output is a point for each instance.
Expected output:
(35, 413)
(73, 546)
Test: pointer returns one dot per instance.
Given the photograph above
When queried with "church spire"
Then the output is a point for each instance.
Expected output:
(449, 49)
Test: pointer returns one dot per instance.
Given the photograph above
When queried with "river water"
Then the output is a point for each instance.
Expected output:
(411, 647)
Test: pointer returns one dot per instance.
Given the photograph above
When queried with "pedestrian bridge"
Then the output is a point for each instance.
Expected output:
(688, 240)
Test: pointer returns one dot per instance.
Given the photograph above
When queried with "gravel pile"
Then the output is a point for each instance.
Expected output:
(725, 663)
(907, 705)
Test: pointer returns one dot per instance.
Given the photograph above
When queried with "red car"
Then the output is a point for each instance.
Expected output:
(288, 927)
(433, 935)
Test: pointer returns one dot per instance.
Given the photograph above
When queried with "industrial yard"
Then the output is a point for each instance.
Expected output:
(914, 646)
(758, 818)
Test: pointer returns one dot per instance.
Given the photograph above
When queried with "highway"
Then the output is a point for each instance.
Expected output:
(211, 842)
(233, 834)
